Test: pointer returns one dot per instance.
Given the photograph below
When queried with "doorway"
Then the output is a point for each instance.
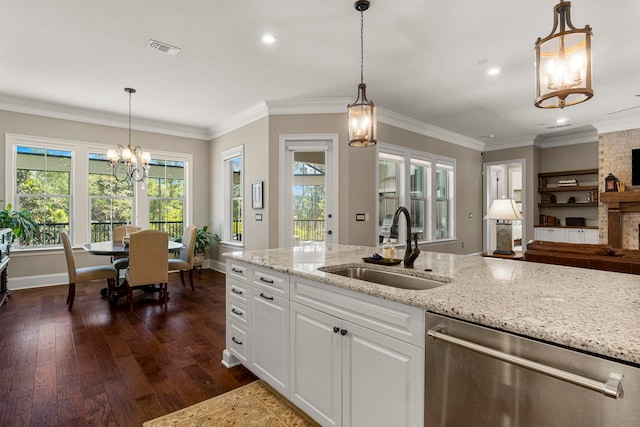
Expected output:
(504, 180)
(308, 191)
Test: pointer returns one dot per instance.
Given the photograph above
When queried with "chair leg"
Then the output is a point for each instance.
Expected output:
(72, 295)
(191, 279)
(130, 299)
(182, 277)
(166, 294)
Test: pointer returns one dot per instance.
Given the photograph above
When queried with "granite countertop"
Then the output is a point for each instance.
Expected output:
(591, 310)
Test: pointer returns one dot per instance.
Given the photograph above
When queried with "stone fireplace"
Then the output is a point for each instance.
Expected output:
(614, 156)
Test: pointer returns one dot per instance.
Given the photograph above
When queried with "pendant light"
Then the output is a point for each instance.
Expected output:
(563, 62)
(129, 163)
(362, 113)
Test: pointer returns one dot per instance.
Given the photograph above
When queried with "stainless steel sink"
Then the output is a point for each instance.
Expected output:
(384, 277)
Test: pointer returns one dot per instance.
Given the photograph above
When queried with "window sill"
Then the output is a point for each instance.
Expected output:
(234, 244)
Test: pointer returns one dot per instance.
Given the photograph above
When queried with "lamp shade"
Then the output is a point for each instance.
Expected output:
(503, 209)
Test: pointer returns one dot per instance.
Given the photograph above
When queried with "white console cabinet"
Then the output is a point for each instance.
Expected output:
(582, 235)
(569, 235)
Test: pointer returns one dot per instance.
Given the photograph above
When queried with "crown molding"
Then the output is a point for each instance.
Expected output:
(308, 106)
(617, 125)
(239, 120)
(526, 141)
(584, 137)
(66, 112)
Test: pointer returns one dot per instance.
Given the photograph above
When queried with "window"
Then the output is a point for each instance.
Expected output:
(110, 200)
(233, 186)
(411, 178)
(69, 184)
(166, 196)
(42, 186)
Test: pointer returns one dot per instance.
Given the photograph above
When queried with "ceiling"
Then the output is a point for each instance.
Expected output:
(72, 59)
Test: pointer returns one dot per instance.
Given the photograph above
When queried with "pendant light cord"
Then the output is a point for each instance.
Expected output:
(361, 47)
(129, 119)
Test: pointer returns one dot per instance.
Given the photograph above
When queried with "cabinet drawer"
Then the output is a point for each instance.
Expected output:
(238, 312)
(238, 271)
(236, 291)
(271, 281)
(237, 341)
(396, 320)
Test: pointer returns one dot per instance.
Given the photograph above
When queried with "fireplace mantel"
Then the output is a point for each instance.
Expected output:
(617, 204)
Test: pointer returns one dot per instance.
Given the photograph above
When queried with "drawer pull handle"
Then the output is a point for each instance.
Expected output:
(610, 388)
(234, 311)
(262, 279)
(235, 291)
(236, 270)
(236, 341)
(343, 332)
(266, 297)
(336, 329)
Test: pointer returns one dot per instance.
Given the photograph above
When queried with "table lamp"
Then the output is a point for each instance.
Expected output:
(505, 210)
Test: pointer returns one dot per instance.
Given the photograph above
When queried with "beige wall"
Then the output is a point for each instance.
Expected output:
(256, 167)
(569, 157)
(45, 262)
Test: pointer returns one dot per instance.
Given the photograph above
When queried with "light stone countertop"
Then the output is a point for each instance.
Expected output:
(591, 310)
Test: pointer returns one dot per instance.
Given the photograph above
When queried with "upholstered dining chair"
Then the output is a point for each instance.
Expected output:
(84, 274)
(147, 262)
(122, 262)
(187, 255)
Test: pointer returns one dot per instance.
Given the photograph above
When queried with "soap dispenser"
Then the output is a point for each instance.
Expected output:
(388, 251)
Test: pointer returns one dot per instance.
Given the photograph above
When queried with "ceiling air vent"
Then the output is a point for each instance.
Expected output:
(163, 47)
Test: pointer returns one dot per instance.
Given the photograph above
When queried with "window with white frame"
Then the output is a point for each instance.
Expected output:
(233, 195)
(423, 183)
(110, 200)
(68, 184)
(166, 196)
(43, 187)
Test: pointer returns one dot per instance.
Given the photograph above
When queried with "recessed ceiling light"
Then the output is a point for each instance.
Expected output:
(494, 71)
(561, 121)
(268, 38)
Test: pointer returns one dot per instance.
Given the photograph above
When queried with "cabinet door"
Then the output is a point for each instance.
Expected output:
(316, 372)
(270, 339)
(575, 236)
(382, 380)
(591, 236)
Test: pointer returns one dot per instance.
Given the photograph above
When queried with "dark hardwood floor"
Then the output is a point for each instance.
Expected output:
(99, 366)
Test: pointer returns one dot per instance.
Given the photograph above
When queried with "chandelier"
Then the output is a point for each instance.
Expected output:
(563, 62)
(129, 163)
(362, 113)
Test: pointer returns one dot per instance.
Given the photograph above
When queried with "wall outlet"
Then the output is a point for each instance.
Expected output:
(360, 217)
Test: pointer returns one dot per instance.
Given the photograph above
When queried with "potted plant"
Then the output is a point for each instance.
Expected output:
(202, 244)
(20, 223)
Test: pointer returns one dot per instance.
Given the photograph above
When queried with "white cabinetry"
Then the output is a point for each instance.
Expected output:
(344, 373)
(550, 234)
(570, 235)
(581, 235)
(258, 323)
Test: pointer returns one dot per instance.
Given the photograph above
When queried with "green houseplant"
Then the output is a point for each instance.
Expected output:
(202, 244)
(20, 222)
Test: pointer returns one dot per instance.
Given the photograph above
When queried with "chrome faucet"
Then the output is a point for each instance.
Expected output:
(410, 254)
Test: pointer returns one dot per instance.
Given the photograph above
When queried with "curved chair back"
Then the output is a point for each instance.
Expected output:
(68, 253)
(148, 258)
(189, 242)
(120, 231)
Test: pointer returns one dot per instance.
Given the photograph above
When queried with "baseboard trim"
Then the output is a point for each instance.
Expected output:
(40, 281)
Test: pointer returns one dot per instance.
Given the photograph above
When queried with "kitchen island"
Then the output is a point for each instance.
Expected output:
(595, 312)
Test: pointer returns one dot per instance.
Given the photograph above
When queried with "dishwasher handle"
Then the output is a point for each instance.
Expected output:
(611, 388)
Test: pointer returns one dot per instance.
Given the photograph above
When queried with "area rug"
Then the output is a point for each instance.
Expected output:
(253, 405)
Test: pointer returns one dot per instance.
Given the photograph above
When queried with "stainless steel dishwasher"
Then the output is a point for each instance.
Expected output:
(477, 376)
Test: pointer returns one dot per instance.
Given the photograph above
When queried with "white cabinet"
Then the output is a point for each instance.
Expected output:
(550, 234)
(346, 374)
(569, 235)
(258, 323)
(270, 339)
(345, 358)
(582, 235)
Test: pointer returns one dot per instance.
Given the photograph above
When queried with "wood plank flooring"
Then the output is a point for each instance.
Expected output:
(102, 366)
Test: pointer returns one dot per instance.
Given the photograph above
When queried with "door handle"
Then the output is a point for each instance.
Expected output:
(611, 388)
(329, 232)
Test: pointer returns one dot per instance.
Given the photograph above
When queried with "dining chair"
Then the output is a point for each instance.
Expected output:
(121, 262)
(147, 263)
(187, 255)
(84, 274)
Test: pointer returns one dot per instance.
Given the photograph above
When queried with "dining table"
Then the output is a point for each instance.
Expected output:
(120, 250)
